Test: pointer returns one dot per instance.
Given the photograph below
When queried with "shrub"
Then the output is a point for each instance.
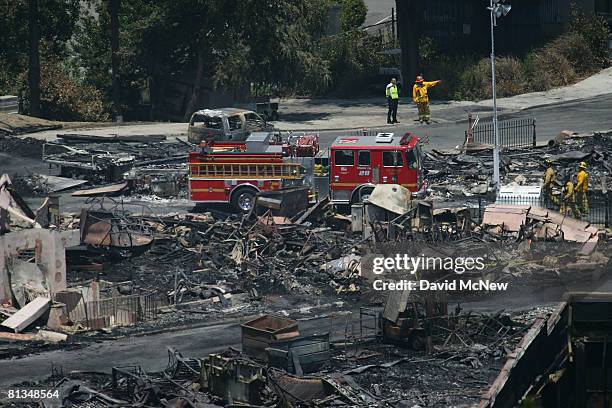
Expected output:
(62, 98)
(437, 65)
(476, 80)
(352, 58)
(472, 85)
(595, 31)
(572, 46)
(546, 68)
(510, 77)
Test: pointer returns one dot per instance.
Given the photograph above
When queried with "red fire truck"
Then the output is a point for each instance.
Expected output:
(358, 163)
(234, 172)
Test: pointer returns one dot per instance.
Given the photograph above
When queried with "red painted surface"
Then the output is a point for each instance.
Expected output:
(379, 169)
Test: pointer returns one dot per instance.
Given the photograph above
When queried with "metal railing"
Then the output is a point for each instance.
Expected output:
(512, 133)
(246, 170)
(116, 311)
(600, 207)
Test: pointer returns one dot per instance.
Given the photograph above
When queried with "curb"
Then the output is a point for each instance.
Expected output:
(340, 129)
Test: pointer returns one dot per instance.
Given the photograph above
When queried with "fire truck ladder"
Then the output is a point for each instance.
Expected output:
(288, 171)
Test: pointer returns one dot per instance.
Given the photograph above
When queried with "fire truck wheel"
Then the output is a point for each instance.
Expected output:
(243, 200)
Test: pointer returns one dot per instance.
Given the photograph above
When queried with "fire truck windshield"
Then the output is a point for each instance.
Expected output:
(392, 158)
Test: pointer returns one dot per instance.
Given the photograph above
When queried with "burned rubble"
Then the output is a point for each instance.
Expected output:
(68, 279)
(466, 172)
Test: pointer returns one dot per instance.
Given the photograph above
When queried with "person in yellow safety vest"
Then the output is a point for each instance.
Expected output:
(569, 200)
(392, 94)
(421, 98)
(549, 181)
(582, 186)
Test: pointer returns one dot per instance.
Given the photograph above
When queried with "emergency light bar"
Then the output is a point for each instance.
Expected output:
(406, 139)
(384, 137)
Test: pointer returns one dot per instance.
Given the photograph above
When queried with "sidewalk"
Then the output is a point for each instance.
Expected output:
(342, 114)
(338, 114)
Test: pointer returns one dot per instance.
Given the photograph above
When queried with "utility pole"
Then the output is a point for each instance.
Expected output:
(113, 11)
(496, 180)
(34, 58)
(497, 10)
(393, 23)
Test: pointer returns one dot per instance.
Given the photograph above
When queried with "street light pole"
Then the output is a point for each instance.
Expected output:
(497, 9)
(496, 180)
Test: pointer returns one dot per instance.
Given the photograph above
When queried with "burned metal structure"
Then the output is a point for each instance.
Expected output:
(563, 361)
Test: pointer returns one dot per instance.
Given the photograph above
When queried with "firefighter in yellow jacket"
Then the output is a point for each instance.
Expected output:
(421, 98)
(548, 182)
(569, 199)
(582, 186)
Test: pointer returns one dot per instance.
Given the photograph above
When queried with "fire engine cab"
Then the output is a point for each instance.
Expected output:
(347, 172)
(358, 163)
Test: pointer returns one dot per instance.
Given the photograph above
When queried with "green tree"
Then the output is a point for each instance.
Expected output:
(595, 31)
(232, 42)
(353, 14)
(56, 20)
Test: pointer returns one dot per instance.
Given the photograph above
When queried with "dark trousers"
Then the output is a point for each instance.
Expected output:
(392, 113)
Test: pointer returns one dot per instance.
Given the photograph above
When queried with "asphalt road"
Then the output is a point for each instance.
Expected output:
(578, 116)
(150, 352)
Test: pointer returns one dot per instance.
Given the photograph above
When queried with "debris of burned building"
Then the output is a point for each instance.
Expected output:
(150, 164)
(467, 171)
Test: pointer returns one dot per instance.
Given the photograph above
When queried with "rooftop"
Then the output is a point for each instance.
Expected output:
(374, 140)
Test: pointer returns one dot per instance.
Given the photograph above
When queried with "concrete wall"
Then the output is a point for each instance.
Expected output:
(50, 256)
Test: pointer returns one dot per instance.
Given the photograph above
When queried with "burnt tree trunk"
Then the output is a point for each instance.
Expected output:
(197, 86)
(408, 29)
(113, 11)
(34, 58)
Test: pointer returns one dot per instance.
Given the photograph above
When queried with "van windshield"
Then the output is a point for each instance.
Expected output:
(209, 122)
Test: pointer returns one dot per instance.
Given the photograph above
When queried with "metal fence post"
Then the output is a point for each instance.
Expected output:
(608, 209)
(534, 133)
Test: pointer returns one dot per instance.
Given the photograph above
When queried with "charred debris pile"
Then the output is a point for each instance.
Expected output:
(149, 165)
(466, 172)
(280, 366)
(216, 263)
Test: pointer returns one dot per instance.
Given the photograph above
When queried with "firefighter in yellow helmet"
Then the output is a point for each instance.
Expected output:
(569, 199)
(421, 98)
(548, 182)
(582, 186)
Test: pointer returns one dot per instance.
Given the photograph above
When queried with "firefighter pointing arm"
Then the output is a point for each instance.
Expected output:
(421, 98)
